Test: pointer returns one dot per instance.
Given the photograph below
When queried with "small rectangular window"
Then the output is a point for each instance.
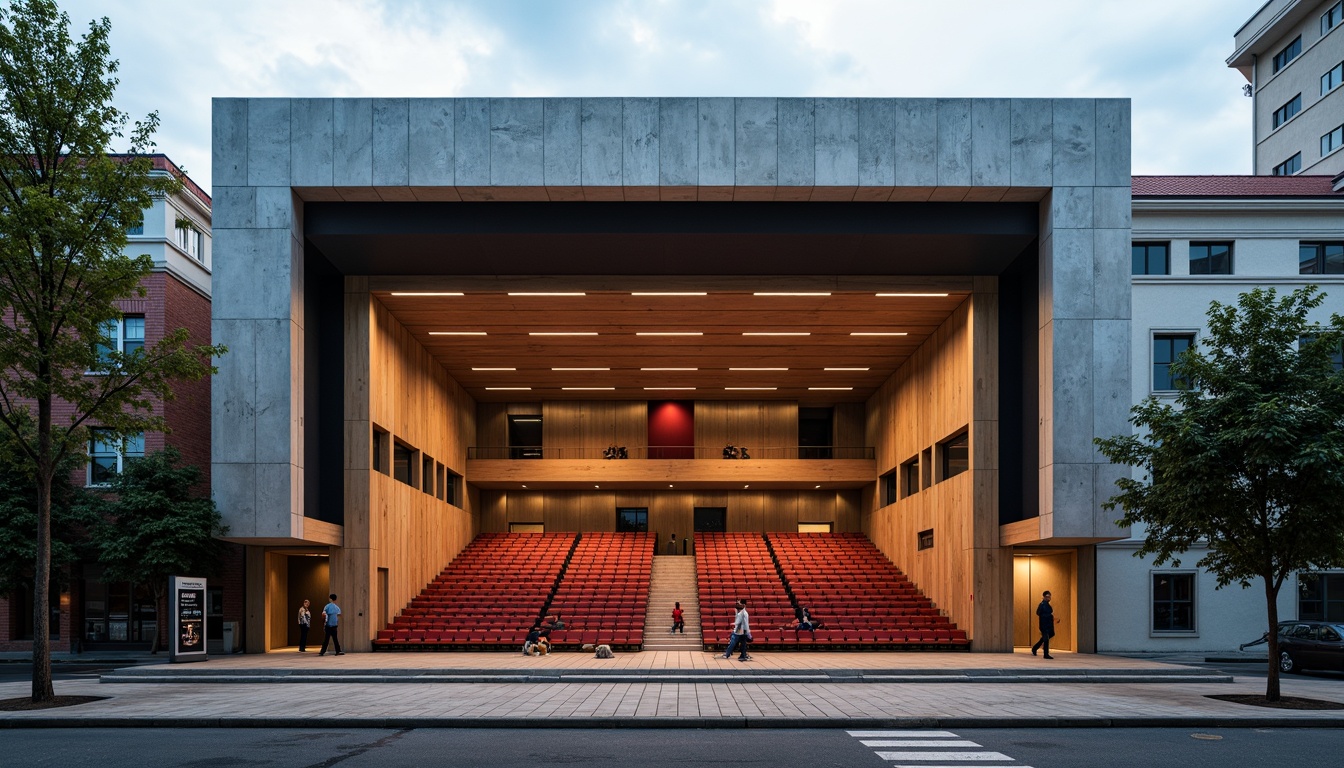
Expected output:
(1332, 141)
(381, 441)
(1173, 602)
(955, 455)
(1151, 258)
(1285, 112)
(1331, 18)
(1289, 167)
(109, 456)
(1330, 80)
(438, 484)
(632, 519)
(1167, 349)
(926, 468)
(452, 490)
(925, 540)
(1320, 258)
(887, 488)
(1210, 258)
(1288, 53)
(910, 477)
(427, 475)
(402, 466)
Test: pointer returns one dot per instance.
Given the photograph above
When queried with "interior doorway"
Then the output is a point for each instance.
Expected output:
(711, 519)
(814, 527)
(1033, 573)
(527, 527)
(307, 577)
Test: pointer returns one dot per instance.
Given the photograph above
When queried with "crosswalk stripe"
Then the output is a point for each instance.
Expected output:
(925, 765)
(902, 734)
(961, 757)
(917, 743)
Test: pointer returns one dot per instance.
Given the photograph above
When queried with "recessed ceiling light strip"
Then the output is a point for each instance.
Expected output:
(751, 389)
(791, 293)
(667, 389)
(758, 369)
(844, 369)
(457, 333)
(547, 293)
(562, 333)
(877, 333)
(776, 333)
(580, 369)
(494, 369)
(669, 333)
(669, 369)
(427, 293)
(669, 293)
(829, 389)
(508, 389)
(588, 389)
(915, 295)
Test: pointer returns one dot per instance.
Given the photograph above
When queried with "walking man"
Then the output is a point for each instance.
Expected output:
(1047, 621)
(305, 623)
(333, 617)
(741, 632)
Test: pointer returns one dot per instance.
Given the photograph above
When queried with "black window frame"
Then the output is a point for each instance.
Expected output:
(909, 477)
(887, 491)
(954, 455)
(924, 540)
(452, 487)
(1288, 167)
(1331, 18)
(403, 455)
(1322, 253)
(1211, 263)
(1161, 370)
(1286, 112)
(1320, 597)
(1172, 611)
(381, 453)
(632, 519)
(1141, 256)
(1332, 78)
(1335, 137)
(1287, 54)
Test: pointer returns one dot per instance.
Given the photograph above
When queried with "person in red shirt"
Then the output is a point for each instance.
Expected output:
(677, 622)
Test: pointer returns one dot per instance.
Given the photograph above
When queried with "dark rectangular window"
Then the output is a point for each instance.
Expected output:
(402, 456)
(1173, 602)
(1167, 348)
(427, 475)
(1320, 258)
(1283, 113)
(525, 437)
(910, 477)
(1320, 596)
(887, 488)
(1289, 53)
(1330, 80)
(1336, 355)
(1288, 167)
(925, 539)
(1210, 258)
(1151, 258)
(438, 484)
(1331, 18)
(380, 450)
(1332, 140)
(452, 488)
(632, 519)
(955, 455)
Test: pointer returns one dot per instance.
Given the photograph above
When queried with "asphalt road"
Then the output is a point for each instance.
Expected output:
(668, 748)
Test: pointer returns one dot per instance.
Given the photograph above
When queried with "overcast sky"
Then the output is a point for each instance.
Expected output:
(1168, 56)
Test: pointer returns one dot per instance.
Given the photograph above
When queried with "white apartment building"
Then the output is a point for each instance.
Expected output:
(1197, 240)
(1292, 55)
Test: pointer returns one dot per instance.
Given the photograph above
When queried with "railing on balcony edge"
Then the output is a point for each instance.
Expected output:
(619, 452)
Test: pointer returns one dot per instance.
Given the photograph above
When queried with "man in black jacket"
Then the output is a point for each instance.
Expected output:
(1047, 622)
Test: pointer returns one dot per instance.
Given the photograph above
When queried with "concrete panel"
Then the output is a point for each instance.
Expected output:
(273, 493)
(1069, 208)
(991, 163)
(797, 143)
(916, 143)
(352, 142)
(1072, 494)
(639, 142)
(515, 142)
(561, 134)
(1112, 207)
(954, 142)
(837, 142)
(432, 146)
(717, 147)
(251, 273)
(274, 208)
(1104, 478)
(274, 359)
(310, 142)
(1031, 142)
(471, 140)
(267, 142)
(877, 143)
(1072, 273)
(1071, 391)
(228, 142)
(232, 390)
(1111, 390)
(1111, 283)
(602, 157)
(1075, 142)
(234, 489)
(391, 143)
(1113, 142)
(1045, 284)
(756, 134)
(678, 142)
(297, 297)
(233, 207)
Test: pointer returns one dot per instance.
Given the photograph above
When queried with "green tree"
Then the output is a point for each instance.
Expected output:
(1249, 460)
(157, 525)
(65, 205)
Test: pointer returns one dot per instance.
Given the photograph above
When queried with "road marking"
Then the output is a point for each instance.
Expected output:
(903, 734)
(917, 743)
(933, 749)
(964, 757)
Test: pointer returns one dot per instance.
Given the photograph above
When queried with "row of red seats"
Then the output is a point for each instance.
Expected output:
(730, 566)
(603, 596)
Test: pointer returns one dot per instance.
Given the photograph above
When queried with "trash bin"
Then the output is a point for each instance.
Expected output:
(231, 637)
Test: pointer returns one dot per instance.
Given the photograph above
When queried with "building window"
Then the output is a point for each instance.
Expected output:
(1320, 596)
(427, 475)
(1336, 355)
(381, 439)
(1173, 602)
(1210, 258)
(452, 488)
(1332, 141)
(403, 463)
(125, 335)
(1289, 167)
(109, 456)
(1151, 258)
(954, 455)
(137, 228)
(632, 519)
(910, 477)
(1289, 53)
(190, 241)
(1330, 19)
(1332, 78)
(887, 488)
(1282, 114)
(925, 540)
(1320, 258)
(438, 483)
(1167, 348)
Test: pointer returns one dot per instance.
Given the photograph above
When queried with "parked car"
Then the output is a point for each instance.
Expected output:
(1311, 645)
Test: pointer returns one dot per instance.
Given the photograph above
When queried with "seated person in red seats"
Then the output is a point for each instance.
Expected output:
(803, 621)
(554, 622)
(533, 637)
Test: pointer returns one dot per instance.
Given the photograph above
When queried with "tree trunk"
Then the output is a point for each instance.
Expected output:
(160, 593)
(1272, 601)
(42, 686)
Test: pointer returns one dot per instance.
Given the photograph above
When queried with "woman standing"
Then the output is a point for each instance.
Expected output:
(677, 622)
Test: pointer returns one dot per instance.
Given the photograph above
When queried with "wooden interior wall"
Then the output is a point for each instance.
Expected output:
(670, 511)
(492, 421)
(758, 425)
(849, 426)
(393, 383)
(584, 428)
(948, 385)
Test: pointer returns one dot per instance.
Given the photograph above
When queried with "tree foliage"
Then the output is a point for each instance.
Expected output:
(1249, 459)
(157, 525)
(65, 205)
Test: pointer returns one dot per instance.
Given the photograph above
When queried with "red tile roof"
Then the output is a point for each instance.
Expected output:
(1233, 186)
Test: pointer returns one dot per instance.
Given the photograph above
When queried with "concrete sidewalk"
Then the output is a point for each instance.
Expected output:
(656, 693)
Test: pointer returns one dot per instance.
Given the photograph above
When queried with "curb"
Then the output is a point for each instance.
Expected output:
(468, 677)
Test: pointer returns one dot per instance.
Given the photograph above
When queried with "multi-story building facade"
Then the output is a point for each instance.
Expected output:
(1292, 55)
(176, 233)
(1197, 240)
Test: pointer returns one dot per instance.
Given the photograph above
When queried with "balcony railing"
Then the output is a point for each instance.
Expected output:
(619, 453)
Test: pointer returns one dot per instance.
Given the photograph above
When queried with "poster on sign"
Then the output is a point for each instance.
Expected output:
(186, 640)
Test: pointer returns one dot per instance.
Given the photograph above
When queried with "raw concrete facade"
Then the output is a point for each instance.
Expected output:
(271, 156)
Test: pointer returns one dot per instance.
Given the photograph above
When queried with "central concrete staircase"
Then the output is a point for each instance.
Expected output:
(672, 580)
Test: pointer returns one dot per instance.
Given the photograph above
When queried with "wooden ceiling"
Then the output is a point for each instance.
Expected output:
(618, 325)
